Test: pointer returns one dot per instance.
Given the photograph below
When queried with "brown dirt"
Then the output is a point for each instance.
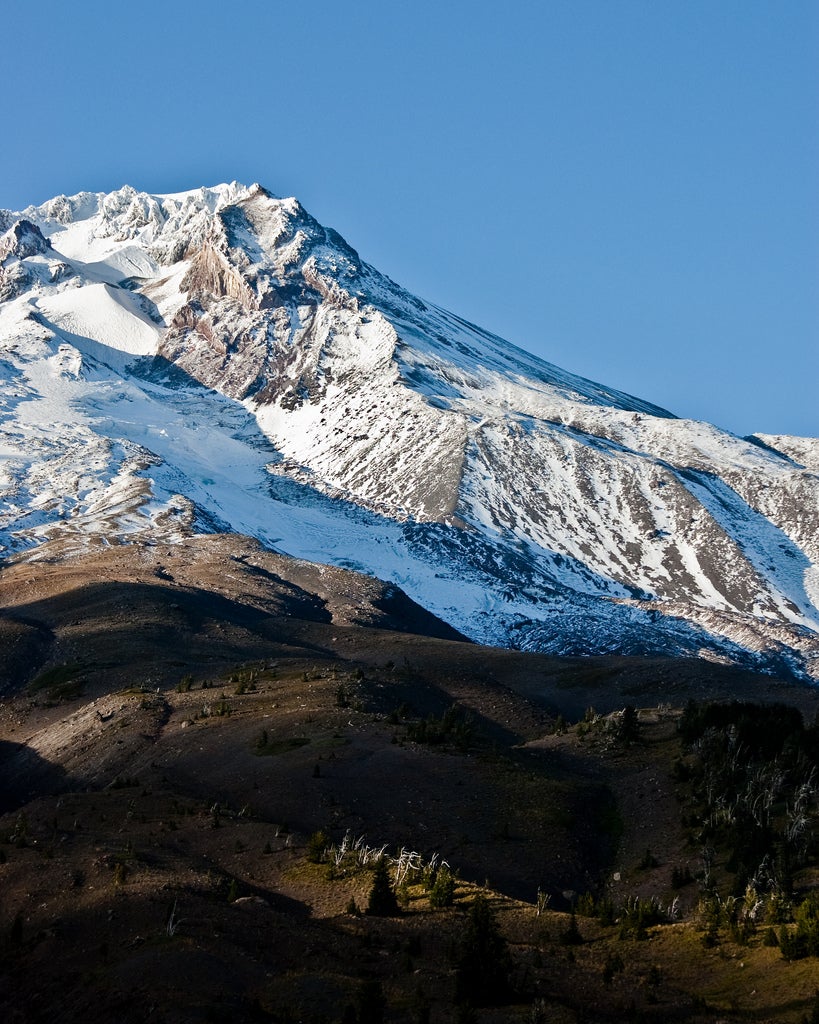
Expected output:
(174, 725)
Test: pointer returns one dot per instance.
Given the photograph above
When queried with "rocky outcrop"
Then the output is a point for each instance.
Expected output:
(211, 276)
(22, 240)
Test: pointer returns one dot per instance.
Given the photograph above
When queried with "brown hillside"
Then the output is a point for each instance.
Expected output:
(177, 722)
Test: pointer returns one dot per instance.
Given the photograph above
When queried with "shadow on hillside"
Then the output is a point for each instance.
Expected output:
(24, 646)
(203, 970)
(26, 776)
(117, 623)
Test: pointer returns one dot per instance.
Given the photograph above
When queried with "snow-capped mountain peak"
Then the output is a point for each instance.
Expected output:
(217, 359)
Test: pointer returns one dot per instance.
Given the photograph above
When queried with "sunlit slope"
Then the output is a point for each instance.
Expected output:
(217, 360)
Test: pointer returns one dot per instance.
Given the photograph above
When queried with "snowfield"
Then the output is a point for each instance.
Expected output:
(216, 360)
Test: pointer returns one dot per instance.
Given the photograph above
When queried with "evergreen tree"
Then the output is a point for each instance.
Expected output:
(483, 959)
(629, 726)
(382, 902)
(442, 893)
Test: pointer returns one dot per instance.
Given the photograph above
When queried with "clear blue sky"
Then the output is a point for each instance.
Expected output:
(629, 188)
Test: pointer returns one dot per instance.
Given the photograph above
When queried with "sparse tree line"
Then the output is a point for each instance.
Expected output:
(392, 875)
(481, 957)
(749, 775)
(751, 771)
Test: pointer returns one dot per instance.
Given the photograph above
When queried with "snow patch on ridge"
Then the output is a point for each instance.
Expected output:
(104, 314)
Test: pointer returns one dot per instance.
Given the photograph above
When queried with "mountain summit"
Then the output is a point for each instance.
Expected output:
(216, 360)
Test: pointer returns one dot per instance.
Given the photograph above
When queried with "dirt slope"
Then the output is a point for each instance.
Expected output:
(176, 723)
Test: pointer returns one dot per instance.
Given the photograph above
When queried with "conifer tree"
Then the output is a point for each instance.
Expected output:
(483, 960)
(382, 902)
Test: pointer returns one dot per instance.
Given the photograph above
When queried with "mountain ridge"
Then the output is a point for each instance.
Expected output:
(352, 423)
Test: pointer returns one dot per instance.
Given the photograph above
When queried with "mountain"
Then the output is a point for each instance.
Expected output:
(217, 361)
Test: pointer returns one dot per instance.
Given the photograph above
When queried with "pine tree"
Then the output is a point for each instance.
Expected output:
(382, 902)
(483, 959)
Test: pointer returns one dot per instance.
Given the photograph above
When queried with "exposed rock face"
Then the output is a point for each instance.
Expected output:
(21, 240)
(352, 423)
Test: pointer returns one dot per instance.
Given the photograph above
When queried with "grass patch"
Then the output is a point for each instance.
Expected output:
(330, 742)
(65, 691)
(264, 745)
(60, 682)
(55, 677)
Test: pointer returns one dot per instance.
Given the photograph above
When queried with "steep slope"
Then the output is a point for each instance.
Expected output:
(219, 361)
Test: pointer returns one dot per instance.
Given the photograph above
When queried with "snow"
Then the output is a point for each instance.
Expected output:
(103, 314)
(317, 406)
